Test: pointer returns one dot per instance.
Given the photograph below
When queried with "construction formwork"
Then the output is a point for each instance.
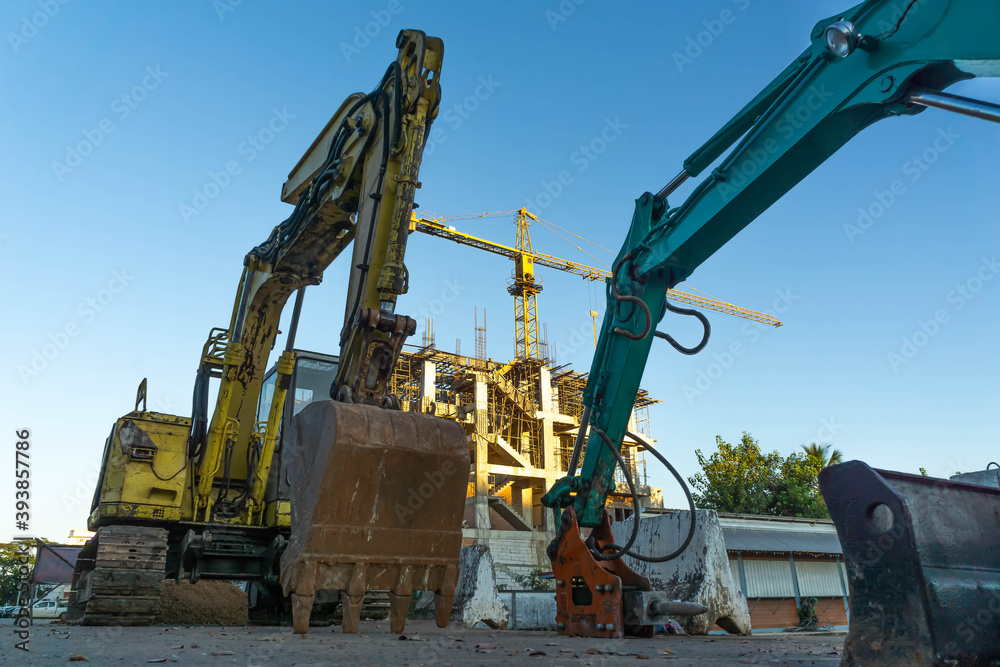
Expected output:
(522, 418)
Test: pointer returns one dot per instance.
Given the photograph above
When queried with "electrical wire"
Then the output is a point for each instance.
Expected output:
(585, 240)
(572, 244)
(695, 289)
(167, 479)
(466, 216)
(889, 33)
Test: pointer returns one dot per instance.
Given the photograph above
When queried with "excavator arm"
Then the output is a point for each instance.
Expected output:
(355, 183)
(877, 60)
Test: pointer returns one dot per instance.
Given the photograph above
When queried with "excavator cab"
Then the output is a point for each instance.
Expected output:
(312, 376)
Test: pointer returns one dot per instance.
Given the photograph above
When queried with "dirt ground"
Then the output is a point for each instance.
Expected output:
(55, 644)
(203, 603)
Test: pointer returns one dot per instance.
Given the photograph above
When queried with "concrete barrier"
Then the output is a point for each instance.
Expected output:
(530, 610)
(701, 574)
(477, 599)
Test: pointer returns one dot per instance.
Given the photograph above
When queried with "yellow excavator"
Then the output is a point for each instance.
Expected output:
(297, 496)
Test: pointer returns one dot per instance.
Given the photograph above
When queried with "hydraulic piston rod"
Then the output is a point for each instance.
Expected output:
(958, 104)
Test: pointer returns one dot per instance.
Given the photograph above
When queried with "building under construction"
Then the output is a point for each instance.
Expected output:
(522, 418)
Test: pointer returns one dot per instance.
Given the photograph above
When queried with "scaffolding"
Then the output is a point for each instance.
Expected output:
(522, 418)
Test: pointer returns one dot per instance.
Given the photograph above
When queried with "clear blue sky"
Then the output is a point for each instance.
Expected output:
(198, 81)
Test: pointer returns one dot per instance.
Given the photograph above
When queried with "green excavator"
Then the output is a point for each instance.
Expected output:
(922, 554)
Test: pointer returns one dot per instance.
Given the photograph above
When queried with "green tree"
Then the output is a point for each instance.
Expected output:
(823, 455)
(8, 573)
(11, 559)
(796, 489)
(736, 478)
(533, 582)
(743, 479)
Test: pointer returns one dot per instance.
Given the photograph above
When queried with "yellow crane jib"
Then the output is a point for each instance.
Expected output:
(525, 259)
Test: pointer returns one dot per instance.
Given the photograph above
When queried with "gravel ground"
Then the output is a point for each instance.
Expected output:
(56, 644)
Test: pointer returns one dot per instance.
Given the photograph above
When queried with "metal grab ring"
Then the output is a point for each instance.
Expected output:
(345, 395)
(630, 299)
(693, 313)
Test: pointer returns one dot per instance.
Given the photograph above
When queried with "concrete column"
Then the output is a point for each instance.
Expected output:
(427, 379)
(545, 406)
(545, 389)
(527, 507)
(481, 500)
(550, 518)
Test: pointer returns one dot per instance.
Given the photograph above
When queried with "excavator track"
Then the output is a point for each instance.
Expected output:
(118, 577)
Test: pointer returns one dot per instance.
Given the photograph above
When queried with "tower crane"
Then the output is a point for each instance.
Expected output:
(524, 286)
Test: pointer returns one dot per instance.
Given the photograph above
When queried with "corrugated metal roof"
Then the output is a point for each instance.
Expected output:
(742, 539)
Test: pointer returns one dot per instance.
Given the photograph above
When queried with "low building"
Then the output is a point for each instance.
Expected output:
(781, 562)
(79, 537)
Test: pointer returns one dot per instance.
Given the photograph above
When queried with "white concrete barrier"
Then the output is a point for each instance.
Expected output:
(701, 574)
(477, 599)
(530, 610)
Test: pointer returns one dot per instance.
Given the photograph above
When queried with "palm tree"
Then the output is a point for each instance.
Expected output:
(818, 452)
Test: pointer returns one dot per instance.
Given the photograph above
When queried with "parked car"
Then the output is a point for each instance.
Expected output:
(8, 612)
(49, 609)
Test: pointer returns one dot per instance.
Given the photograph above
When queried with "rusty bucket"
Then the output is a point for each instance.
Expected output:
(377, 502)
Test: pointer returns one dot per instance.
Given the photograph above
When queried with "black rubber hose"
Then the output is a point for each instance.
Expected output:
(620, 551)
(687, 493)
(630, 299)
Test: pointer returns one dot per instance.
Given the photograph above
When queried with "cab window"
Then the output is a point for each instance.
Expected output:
(312, 382)
(266, 397)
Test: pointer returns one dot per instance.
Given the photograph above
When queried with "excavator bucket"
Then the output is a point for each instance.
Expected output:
(923, 567)
(377, 502)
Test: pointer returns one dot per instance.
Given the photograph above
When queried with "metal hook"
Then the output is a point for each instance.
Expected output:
(692, 313)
